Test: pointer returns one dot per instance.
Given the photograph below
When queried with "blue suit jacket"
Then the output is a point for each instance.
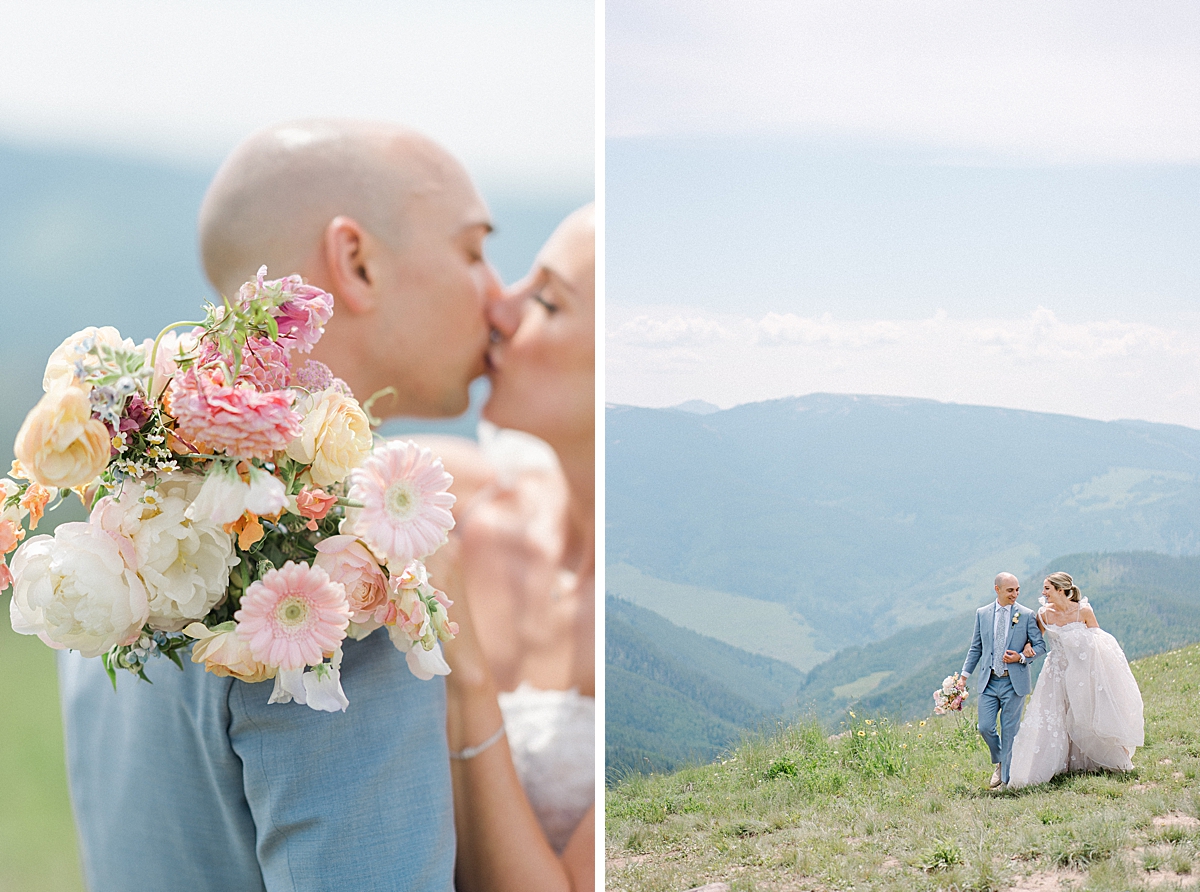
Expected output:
(1022, 629)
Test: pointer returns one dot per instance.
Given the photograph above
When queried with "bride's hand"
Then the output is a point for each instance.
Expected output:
(446, 572)
(1028, 651)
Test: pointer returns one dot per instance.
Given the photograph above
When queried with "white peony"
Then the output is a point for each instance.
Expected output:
(78, 589)
(184, 562)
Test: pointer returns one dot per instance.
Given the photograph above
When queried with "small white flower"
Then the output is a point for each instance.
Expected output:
(225, 497)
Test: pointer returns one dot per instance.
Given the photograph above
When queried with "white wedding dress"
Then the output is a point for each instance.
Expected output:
(1085, 712)
(552, 736)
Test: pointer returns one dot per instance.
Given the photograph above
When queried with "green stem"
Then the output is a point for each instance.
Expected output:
(162, 334)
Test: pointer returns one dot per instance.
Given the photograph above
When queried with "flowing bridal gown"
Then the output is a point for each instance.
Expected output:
(1085, 712)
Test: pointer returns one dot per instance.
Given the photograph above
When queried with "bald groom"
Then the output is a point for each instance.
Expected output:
(194, 782)
(1002, 629)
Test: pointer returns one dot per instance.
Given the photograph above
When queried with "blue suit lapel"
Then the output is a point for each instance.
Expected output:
(989, 644)
(1012, 627)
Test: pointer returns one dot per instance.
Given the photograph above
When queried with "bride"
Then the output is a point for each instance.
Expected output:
(521, 570)
(1086, 710)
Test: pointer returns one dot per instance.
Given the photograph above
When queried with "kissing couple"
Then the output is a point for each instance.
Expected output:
(483, 779)
(1086, 710)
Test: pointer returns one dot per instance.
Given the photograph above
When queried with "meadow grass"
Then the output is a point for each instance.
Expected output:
(37, 835)
(905, 807)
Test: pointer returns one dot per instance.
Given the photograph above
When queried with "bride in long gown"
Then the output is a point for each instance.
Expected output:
(1086, 710)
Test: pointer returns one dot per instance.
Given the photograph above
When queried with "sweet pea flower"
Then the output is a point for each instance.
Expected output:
(314, 504)
(225, 496)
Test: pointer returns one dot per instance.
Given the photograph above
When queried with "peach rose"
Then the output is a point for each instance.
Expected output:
(335, 438)
(349, 562)
(224, 654)
(61, 444)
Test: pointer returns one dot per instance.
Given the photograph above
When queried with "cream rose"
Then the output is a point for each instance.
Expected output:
(78, 589)
(335, 438)
(60, 368)
(223, 653)
(61, 444)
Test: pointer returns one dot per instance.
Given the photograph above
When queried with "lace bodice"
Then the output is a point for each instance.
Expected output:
(552, 735)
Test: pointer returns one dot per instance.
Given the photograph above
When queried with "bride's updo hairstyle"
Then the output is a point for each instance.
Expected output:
(1065, 584)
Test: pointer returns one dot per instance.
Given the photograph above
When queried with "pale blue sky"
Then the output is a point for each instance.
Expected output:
(996, 205)
(509, 87)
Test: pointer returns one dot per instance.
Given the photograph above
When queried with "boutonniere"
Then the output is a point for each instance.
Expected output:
(1016, 617)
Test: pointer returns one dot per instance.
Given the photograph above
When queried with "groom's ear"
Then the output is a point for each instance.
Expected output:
(350, 256)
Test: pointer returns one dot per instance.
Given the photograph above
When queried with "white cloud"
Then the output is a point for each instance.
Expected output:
(1073, 80)
(509, 87)
(1104, 369)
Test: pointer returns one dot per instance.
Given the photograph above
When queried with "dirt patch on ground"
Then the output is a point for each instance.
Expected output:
(1175, 819)
(618, 863)
(1170, 879)
(1057, 880)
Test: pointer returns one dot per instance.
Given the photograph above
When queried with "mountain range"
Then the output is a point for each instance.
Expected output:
(847, 540)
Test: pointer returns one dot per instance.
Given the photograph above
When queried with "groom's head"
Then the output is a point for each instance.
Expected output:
(385, 220)
(1007, 588)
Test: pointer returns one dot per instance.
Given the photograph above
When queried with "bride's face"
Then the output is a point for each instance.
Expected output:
(543, 359)
(1051, 594)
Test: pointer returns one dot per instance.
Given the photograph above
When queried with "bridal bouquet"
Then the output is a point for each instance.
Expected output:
(951, 695)
(237, 505)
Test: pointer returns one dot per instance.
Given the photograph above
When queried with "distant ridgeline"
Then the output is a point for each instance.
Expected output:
(674, 697)
(847, 541)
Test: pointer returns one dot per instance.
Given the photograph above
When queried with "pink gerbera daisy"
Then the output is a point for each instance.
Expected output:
(238, 420)
(406, 506)
(293, 616)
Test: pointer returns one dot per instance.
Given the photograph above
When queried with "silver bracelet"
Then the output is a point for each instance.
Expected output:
(472, 751)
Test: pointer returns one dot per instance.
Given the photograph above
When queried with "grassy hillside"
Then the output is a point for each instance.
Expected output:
(37, 836)
(904, 807)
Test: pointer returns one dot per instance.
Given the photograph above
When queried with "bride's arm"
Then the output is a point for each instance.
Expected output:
(501, 845)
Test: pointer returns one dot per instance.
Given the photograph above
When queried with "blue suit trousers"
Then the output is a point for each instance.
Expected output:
(999, 699)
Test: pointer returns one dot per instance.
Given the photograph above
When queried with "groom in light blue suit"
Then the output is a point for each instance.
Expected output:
(195, 782)
(1002, 629)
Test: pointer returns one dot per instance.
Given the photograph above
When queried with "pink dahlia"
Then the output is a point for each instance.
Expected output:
(406, 506)
(264, 363)
(293, 616)
(237, 420)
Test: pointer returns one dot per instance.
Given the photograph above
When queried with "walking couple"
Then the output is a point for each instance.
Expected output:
(1086, 710)
(195, 782)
